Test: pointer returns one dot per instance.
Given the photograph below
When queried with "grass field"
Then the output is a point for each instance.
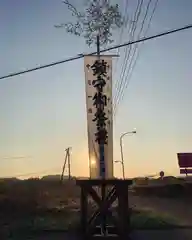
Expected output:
(149, 220)
(68, 220)
(35, 205)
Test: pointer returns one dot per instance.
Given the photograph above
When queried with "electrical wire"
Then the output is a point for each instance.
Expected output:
(132, 66)
(79, 56)
(130, 31)
(127, 70)
(126, 80)
(126, 20)
(128, 49)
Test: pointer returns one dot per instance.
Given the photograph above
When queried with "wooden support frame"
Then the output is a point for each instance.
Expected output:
(116, 189)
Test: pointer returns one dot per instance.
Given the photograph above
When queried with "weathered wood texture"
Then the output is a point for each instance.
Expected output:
(102, 223)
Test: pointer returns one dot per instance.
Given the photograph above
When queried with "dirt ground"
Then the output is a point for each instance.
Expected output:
(178, 210)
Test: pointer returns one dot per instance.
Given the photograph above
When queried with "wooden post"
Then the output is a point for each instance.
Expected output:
(69, 164)
(103, 216)
(84, 210)
(63, 169)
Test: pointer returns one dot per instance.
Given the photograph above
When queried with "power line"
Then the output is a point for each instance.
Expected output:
(128, 49)
(105, 50)
(135, 52)
(124, 76)
(131, 69)
(130, 33)
(126, 16)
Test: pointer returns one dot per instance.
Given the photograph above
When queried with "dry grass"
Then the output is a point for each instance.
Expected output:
(39, 205)
(33, 193)
(183, 191)
(34, 204)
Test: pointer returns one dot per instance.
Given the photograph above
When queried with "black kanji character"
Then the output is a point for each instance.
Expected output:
(99, 100)
(89, 82)
(99, 68)
(100, 124)
(99, 83)
(100, 115)
(88, 66)
(101, 136)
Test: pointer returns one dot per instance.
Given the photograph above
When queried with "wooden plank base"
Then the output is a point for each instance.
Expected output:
(98, 226)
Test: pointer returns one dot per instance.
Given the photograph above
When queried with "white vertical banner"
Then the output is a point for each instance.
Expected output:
(94, 154)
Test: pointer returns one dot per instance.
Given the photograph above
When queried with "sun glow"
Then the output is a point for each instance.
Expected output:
(93, 162)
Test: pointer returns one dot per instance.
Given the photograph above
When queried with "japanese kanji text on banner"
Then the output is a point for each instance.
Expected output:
(102, 118)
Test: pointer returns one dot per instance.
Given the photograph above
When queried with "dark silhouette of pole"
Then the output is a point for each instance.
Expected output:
(63, 169)
(101, 145)
(69, 163)
(101, 152)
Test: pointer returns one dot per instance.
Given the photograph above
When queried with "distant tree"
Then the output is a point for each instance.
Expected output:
(100, 17)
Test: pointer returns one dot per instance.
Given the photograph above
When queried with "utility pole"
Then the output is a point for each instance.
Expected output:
(68, 162)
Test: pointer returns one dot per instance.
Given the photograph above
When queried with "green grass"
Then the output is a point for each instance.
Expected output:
(148, 220)
(68, 220)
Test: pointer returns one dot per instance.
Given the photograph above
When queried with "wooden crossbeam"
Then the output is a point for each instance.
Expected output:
(120, 223)
(103, 207)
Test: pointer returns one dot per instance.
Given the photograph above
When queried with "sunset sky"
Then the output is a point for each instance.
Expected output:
(43, 112)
